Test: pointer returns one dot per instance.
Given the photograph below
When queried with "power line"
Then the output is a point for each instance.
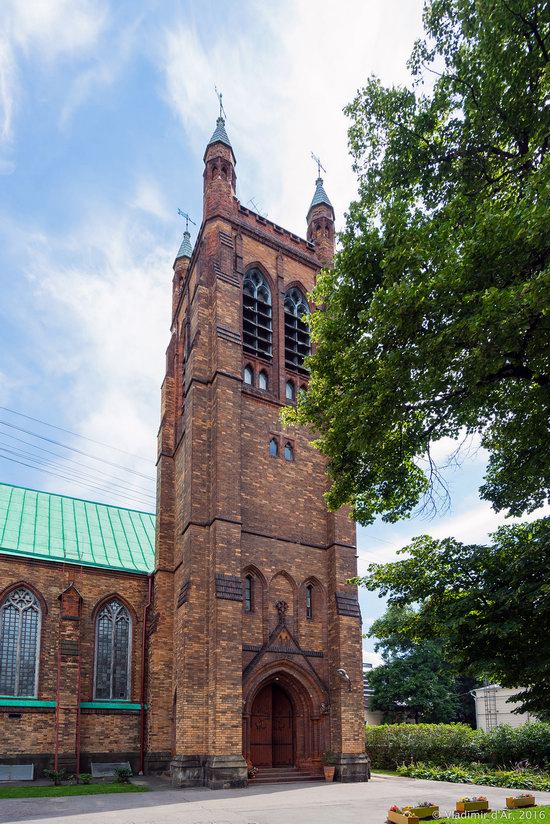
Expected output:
(107, 475)
(113, 487)
(76, 434)
(58, 475)
(74, 449)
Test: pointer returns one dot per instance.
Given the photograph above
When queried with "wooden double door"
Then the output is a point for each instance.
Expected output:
(272, 729)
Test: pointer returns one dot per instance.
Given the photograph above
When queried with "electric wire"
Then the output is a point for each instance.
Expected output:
(76, 434)
(109, 476)
(59, 475)
(113, 487)
(74, 449)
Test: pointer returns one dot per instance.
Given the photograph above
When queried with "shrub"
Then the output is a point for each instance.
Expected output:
(389, 745)
(56, 776)
(85, 778)
(123, 775)
(477, 774)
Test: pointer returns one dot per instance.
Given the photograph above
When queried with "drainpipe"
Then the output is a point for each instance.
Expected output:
(57, 694)
(142, 690)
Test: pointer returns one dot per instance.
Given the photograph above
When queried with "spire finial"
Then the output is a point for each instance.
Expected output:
(187, 220)
(185, 250)
(219, 95)
(319, 165)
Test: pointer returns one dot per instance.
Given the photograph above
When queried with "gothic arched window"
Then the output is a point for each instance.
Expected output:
(289, 451)
(290, 390)
(309, 601)
(20, 620)
(262, 380)
(257, 315)
(248, 376)
(248, 594)
(297, 345)
(273, 447)
(113, 652)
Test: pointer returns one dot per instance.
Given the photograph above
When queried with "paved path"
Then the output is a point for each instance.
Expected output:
(284, 804)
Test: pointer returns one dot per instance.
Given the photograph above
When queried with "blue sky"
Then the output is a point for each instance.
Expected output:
(105, 110)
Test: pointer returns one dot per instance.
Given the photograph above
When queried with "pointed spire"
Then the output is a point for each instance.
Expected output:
(220, 135)
(186, 250)
(320, 195)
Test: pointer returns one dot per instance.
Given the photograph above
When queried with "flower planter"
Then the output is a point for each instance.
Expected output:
(472, 806)
(431, 811)
(329, 773)
(523, 801)
(401, 818)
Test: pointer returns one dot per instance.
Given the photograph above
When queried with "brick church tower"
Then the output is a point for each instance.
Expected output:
(255, 641)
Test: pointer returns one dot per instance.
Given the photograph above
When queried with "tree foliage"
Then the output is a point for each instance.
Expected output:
(416, 680)
(434, 320)
(489, 604)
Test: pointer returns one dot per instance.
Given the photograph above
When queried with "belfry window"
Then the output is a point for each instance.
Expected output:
(297, 343)
(248, 594)
(20, 619)
(257, 315)
(113, 649)
(309, 602)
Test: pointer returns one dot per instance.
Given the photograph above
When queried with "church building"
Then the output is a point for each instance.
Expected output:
(223, 634)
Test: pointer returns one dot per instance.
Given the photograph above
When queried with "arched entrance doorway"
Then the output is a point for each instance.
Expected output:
(272, 728)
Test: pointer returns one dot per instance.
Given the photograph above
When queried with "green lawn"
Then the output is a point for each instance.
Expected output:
(383, 772)
(69, 789)
(528, 814)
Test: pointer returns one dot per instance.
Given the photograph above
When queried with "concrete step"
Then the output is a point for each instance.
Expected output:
(284, 775)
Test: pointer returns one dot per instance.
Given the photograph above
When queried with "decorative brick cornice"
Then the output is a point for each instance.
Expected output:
(229, 588)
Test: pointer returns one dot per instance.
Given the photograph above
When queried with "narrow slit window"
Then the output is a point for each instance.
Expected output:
(290, 390)
(257, 315)
(248, 594)
(262, 380)
(289, 451)
(297, 340)
(20, 621)
(248, 376)
(273, 447)
(309, 602)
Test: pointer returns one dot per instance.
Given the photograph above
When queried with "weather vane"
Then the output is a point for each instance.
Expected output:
(187, 219)
(319, 165)
(219, 95)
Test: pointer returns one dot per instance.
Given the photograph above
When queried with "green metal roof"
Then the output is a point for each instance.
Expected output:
(69, 530)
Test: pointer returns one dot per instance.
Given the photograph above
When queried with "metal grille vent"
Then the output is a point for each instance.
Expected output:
(297, 342)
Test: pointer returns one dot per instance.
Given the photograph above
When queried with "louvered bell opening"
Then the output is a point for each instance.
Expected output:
(257, 326)
(297, 346)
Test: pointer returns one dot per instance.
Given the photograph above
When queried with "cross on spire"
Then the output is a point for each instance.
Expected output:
(319, 165)
(187, 219)
(219, 95)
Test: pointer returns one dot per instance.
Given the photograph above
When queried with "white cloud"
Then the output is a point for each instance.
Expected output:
(41, 31)
(103, 297)
(374, 658)
(284, 89)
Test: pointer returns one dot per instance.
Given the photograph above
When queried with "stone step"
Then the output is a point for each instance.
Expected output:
(284, 775)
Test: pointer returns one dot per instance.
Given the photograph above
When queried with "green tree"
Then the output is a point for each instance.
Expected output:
(489, 604)
(416, 679)
(434, 320)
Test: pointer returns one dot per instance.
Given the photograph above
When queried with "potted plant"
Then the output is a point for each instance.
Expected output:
(475, 804)
(252, 772)
(521, 800)
(329, 765)
(424, 809)
(402, 816)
